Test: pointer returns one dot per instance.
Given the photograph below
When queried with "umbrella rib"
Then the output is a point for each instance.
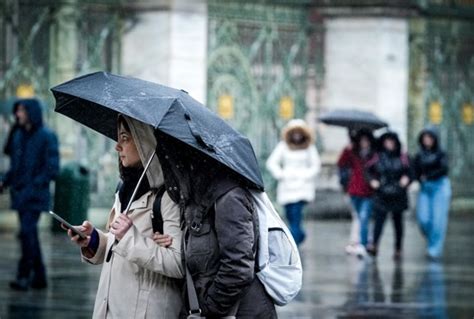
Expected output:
(138, 184)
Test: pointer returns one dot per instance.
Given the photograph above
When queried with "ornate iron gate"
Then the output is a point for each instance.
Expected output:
(443, 56)
(43, 43)
(257, 68)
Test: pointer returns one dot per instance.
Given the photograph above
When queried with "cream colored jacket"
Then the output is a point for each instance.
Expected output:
(139, 280)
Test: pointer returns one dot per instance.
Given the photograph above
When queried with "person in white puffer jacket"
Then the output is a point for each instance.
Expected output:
(295, 164)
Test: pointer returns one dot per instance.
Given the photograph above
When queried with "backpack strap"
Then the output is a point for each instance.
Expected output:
(156, 216)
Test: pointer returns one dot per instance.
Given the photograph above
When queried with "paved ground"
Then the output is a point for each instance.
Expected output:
(335, 285)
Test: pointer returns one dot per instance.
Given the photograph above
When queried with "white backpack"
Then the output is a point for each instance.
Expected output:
(279, 261)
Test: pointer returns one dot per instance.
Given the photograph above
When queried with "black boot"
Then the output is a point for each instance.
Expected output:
(21, 284)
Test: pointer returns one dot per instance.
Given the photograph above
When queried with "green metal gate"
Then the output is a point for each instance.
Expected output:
(257, 68)
(43, 43)
(443, 61)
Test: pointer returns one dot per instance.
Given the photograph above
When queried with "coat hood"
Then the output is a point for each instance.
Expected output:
(297, 126)
(433, 133)
(146, 144)
(390, 135)
(34, 110)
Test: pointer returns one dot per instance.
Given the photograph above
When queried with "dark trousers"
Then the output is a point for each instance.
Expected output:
(380, 216)
(294, 214)
(31, 262)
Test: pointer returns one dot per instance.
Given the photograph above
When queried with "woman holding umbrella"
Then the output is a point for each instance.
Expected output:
(139, 277)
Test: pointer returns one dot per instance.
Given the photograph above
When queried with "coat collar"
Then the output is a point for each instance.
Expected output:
(142, 202)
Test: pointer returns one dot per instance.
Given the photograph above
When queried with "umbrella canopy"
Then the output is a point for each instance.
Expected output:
(96, 99)
(352, 119)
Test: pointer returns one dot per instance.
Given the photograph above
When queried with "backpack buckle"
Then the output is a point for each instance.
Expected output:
(196, 226)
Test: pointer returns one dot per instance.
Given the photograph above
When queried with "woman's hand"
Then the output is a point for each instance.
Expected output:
(120, 226)
(162, 240)
(404, 181)
(87, 228)
(375, 184)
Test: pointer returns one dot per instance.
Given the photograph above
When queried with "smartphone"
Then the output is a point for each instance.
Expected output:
(68, 225)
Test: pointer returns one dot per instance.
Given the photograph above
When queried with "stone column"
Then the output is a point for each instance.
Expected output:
(366, 68)
(168, 45)
(62, 67)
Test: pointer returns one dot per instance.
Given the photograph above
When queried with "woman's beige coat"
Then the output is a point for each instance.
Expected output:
(141, 280)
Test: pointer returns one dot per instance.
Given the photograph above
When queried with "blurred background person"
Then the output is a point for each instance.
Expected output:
(344, 174)
(389, 175)
(295, 163)
(355, 159)
(34, 164)
(431, 170)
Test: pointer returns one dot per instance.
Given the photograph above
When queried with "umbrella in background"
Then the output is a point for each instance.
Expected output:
(352, 119)
(96, 99)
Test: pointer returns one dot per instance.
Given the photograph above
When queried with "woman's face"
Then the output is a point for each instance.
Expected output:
(126, 148)
(428, 141)
(389, 144)
(364, 143)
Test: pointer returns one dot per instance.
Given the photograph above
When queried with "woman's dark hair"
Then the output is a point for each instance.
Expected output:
(392, 136)
(358, 137)
(121, 121)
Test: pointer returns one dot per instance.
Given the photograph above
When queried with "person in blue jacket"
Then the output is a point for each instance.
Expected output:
(34, 164)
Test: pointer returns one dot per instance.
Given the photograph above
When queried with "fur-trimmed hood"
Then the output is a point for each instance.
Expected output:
(297, 126)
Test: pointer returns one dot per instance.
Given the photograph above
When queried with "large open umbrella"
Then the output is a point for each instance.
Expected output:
(96, 99)
(352, 119)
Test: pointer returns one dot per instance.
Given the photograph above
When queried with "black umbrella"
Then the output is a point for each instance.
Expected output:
(96, 99)
(352, 119)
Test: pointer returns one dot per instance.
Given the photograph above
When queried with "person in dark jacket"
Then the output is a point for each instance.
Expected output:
(431, 170)
(221, 232)
(34, 164)
(358, 188)
(389, 175)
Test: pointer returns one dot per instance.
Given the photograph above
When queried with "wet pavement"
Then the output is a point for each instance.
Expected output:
(335, 285)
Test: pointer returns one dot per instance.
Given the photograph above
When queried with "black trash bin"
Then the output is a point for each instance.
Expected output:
(71, 197)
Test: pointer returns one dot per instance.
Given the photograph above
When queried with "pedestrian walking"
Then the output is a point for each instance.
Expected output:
(431, 170)
(139, 278)
(295, 163)
(34, 163)
(389, 175)
(353, 247)
(358, 187)
(221, 233)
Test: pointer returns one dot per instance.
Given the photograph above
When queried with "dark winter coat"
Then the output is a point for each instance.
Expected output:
(221, 232)
(34, 162)
(430, 164)
(221, 254)
(388, 168)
